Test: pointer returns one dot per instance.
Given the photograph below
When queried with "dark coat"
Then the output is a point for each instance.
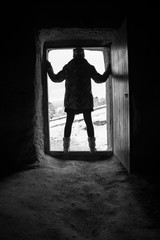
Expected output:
(78, 73)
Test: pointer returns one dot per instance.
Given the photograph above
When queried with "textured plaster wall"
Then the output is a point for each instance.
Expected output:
(38, 131)
(75, 36)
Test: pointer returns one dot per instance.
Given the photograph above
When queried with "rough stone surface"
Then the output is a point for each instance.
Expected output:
(82, 200)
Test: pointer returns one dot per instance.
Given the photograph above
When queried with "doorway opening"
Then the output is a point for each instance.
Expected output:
(55, 98)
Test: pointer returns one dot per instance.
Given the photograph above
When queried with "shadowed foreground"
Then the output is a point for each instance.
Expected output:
(65, 200)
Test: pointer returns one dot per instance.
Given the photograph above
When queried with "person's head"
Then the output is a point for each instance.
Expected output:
(78, 52)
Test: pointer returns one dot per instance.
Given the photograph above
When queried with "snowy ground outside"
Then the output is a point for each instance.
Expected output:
(79, 138)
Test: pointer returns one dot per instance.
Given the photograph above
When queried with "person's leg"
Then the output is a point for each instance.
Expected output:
(90, 131)
(68, 125)
(89, 124)
(67, 131)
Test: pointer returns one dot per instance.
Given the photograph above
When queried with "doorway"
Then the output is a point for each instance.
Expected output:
(58, 57)
(114, 46)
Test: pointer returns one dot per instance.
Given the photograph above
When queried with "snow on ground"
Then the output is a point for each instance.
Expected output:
(79, 137)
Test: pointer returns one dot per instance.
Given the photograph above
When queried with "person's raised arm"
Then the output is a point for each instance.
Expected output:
(59, 77)
(100, 78)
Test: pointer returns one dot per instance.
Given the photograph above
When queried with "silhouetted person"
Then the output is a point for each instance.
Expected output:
(78, 95)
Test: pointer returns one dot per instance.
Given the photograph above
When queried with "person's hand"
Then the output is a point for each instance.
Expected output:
(48, 65)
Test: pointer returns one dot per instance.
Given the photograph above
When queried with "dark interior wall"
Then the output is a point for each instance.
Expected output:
(18, 52)
(17, 98)
(143, 43)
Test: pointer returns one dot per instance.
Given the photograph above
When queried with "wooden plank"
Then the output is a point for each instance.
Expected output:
(120, 85)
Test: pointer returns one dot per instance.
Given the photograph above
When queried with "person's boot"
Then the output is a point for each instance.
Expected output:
(92, 144)
(66, 144)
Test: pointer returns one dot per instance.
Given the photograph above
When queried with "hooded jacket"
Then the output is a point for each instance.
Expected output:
(77, 74)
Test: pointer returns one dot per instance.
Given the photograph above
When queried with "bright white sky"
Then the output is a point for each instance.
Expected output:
(59, 58)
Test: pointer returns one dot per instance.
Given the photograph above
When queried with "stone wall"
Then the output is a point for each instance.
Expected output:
(18, 99)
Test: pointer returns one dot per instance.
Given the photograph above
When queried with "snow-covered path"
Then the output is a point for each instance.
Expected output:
(79, 136)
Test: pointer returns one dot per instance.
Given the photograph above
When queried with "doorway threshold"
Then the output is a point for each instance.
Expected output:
(81, 155)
